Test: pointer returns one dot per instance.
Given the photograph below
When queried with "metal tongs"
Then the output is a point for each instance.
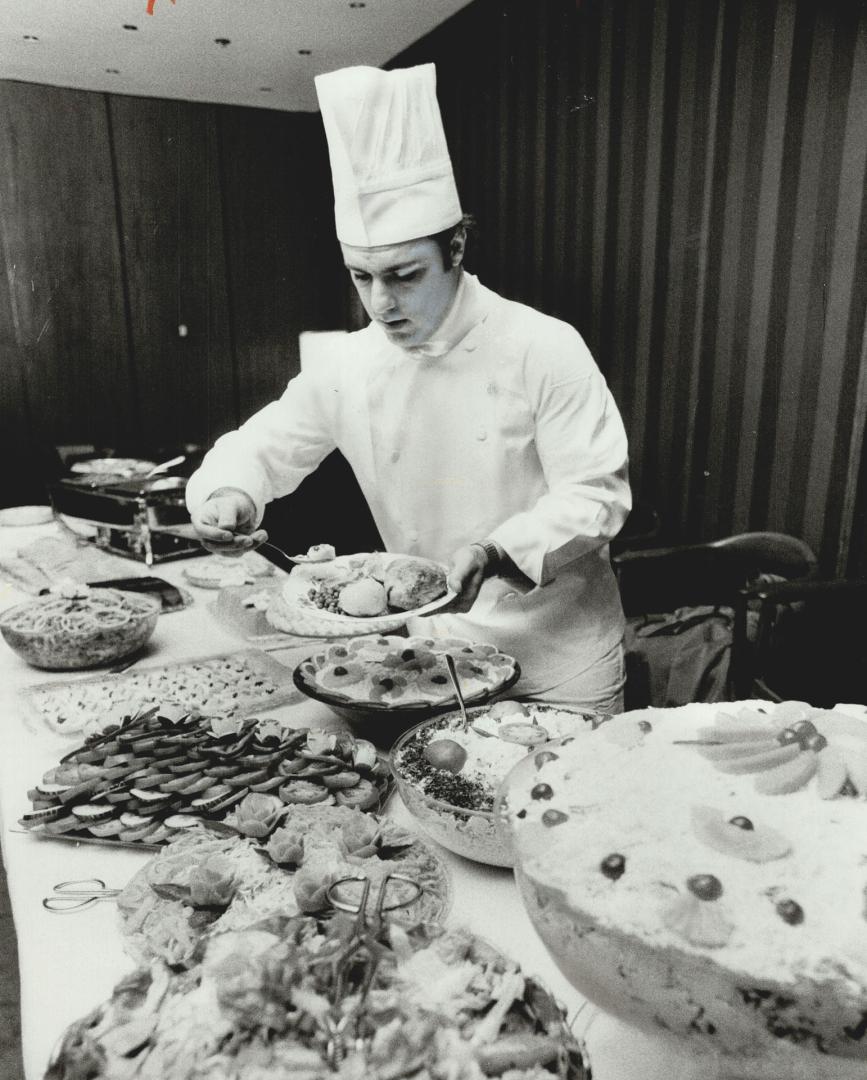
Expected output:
(357, 962)
(71, 896)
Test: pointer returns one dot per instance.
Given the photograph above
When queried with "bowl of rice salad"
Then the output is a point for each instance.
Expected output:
(448, 773)
(78, 627)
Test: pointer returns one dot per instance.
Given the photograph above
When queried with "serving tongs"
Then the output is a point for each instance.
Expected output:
(355, 965)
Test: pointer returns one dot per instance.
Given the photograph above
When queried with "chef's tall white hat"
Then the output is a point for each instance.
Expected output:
(390, 164)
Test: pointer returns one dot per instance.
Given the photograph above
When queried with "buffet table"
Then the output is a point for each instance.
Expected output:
(69, 963)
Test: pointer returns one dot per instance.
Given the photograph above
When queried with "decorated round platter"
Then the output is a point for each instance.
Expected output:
(157, 773)
(386, 589)
(384, 673)
(299, 996)
(279, 861)
(223, 571)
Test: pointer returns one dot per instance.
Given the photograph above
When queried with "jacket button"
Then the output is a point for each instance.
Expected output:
(481, 435)
(395, 457)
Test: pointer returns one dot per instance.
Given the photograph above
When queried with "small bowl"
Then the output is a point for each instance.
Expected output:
(473, 833)
(54, 647)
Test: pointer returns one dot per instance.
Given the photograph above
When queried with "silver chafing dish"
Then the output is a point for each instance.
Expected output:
(140, 518)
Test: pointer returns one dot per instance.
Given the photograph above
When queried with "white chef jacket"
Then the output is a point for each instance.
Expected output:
(503, 428)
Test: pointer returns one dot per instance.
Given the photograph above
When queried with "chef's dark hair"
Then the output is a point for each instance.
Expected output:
(446, 239)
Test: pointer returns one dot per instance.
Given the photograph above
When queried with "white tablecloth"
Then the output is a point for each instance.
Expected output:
(69, 963)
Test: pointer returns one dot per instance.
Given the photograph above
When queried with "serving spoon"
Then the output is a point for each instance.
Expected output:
(164, 466)
(453, 675)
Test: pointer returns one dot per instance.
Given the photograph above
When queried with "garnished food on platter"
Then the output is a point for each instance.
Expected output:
(226, 685)
(112, 466)
(265, 1002)
(702, 871)
(282, 861)
(379, 590)
(381, 673)
(78, 627)
(448, 774)
(158, 772)
(225, 571)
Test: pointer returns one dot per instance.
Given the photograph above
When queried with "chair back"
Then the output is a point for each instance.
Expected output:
(687, 634)
(664, 579)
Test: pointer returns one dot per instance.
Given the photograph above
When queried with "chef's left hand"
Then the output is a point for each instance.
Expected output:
(466, 574)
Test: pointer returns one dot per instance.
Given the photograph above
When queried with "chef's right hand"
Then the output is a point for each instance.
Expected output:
(226, 522)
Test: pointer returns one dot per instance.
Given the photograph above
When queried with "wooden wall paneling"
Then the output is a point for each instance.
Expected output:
(576, 58)
(734, 248)
(674, 258)
(701, 211)
(170, 219)
(765, 475)
(823, 528)
(24, 483)
(627, 136)
(651, 210)
(284, 265)
(65, 279)
(502, 250)
(520, 157)
(761, 272)
(722, 492)
(561, 223)
(656, 275)
(852, 554)
(841, 382)
(485, 185)
(540, 181)
(601, 167)
(791, 448)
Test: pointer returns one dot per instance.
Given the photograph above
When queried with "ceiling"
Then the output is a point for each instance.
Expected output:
(239, 52)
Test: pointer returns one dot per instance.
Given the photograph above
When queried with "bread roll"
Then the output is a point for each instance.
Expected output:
(364, 597)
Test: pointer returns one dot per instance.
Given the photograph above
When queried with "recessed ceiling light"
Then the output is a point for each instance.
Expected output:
(112, 71)
(265, 90)
(30, 37)
(129, 26)
(224, 41)
(357, 4)
(305, 52)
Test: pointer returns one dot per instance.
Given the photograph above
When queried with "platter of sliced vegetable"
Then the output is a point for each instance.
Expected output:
(162, 770)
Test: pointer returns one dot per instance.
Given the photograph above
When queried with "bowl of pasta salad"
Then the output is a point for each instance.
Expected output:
(78, 627)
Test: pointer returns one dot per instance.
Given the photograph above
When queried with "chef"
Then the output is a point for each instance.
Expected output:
(481, 432)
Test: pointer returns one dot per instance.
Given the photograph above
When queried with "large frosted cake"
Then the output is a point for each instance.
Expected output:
(703, 871)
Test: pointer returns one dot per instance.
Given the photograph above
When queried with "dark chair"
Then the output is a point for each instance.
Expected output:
(640, 530)
(663, 579)
(687, 611)
(810, 643)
